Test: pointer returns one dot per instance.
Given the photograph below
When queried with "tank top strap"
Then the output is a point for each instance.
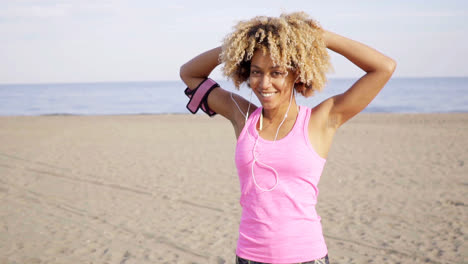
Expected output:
(253, 118)
(251, 121)
(298, 127)
(305, 123)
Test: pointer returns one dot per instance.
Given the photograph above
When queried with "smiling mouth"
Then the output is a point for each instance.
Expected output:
(267, 94)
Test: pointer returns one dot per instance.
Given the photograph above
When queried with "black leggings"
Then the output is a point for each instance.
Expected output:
(323, 260)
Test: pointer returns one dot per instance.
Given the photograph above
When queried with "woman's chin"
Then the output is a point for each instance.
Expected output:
(270, 102)
(269, 105)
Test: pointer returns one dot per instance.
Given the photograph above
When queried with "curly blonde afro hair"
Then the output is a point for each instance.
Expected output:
(294, 41)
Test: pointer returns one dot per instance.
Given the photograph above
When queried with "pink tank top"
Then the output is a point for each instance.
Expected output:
(282, 225)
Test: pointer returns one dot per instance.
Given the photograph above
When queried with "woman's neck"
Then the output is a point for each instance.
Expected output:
(277, 114)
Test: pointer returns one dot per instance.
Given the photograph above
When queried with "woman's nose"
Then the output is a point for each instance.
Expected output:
(265, 81)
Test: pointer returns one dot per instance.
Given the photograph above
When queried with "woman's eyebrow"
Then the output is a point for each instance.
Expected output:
(272, 67)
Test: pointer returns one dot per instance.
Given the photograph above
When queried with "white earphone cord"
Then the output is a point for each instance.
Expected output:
(261, 163)
(246, 115)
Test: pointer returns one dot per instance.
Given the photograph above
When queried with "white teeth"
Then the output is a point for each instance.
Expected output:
(267, 94)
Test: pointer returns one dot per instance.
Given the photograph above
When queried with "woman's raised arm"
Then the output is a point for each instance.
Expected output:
(378, 67)
(200, 67)
(219, 100)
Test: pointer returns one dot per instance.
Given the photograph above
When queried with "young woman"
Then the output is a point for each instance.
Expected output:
(281, 146)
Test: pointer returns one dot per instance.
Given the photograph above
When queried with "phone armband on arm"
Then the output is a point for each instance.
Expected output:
(199, 97)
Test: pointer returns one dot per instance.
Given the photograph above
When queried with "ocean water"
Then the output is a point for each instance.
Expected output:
(400, 95)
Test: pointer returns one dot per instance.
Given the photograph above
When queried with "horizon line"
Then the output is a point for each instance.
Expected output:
(224, 79)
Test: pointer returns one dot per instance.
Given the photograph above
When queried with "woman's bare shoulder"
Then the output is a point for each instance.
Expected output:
(320, 113)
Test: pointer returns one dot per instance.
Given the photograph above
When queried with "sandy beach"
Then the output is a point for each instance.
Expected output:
(164, 189)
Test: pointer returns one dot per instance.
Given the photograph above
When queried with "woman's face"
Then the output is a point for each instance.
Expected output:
(271, 84)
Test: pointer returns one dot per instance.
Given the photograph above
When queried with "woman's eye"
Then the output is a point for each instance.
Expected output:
(277, 74)
(255, 72)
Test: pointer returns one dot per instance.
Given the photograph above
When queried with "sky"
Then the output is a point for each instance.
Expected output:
(57, 41)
